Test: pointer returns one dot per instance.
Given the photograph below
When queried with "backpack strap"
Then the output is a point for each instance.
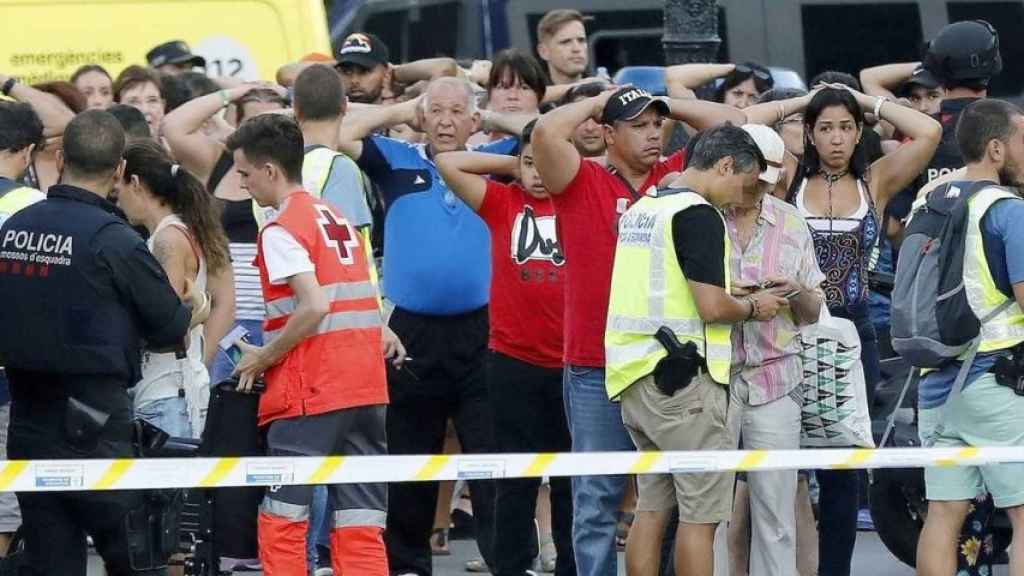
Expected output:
(890, 424)
(965, 368)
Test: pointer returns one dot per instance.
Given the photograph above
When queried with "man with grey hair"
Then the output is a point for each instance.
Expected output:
(437, 270)
(668, 346)
(772, 251)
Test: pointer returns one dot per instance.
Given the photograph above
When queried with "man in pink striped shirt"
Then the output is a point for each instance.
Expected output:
(771, 250)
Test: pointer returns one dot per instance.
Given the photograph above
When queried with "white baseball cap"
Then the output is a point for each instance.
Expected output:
(772, 148)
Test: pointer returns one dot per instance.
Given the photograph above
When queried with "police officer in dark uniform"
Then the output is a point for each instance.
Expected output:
(80, 296)
(964, 56)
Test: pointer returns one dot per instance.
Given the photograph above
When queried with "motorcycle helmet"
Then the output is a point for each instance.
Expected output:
(965, 52)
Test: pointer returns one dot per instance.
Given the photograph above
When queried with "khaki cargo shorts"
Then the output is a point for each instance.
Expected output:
(694, 418)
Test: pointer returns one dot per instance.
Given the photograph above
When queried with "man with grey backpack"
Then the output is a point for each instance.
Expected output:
(957, 310)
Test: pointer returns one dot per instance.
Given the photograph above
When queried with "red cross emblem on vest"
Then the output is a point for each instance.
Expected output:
(337, 234)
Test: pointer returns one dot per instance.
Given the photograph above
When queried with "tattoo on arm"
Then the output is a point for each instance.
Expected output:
(167, 251)
(163, 249)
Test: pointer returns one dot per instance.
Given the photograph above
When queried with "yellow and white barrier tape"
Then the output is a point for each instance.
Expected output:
(66, 475)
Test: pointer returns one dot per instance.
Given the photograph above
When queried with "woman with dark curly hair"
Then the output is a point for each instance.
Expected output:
(741, 85)
(841, 196)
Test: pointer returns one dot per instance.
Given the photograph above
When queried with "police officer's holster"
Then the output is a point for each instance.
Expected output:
(153, 529)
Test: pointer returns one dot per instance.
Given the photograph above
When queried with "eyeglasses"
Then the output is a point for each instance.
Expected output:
(758, 73)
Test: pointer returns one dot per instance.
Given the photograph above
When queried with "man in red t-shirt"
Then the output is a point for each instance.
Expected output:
(524, 368)
(589, 198)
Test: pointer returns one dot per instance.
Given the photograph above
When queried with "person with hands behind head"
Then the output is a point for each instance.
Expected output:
(325, 376)
(437, 272)
(524, 367)
(908, 82)
(589, 198)
(53, 114)
(668, 346)
(741, 86)
(206, 157)
(842, 198)
(198, 152)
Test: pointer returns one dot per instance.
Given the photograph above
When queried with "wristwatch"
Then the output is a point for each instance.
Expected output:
(8, 86)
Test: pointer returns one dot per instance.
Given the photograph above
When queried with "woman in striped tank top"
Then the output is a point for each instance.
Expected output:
(842, 196)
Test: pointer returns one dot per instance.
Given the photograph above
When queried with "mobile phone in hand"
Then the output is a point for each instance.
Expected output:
(229, 344)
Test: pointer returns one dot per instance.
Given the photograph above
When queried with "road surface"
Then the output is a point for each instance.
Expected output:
(870, 559)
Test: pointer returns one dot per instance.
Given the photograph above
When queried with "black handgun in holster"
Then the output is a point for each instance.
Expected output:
(1009, 370)
(675, 371)
(83, 424)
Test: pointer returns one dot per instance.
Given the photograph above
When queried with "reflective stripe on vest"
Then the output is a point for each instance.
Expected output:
(335, 321)
(339, 366)
(340, 291)
(1006, 330)
(17, 198)
(649, 290)
(316, 169)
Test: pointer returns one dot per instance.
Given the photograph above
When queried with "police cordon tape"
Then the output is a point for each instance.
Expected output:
(150, 473)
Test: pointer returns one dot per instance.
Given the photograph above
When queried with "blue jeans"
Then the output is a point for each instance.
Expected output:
(319, 533)
(595, 424)
(222, 365)
(839, 497)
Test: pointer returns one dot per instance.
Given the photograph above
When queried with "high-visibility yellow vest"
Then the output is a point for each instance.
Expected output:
(17, 198)
(316, 169)
(1006, 329)
(649, 291)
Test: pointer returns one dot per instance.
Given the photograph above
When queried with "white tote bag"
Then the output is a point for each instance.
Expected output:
(834, 413)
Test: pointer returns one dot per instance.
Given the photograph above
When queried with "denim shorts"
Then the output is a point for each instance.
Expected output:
(169, 415)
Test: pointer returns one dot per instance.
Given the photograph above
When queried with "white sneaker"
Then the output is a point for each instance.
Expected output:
(323, 572)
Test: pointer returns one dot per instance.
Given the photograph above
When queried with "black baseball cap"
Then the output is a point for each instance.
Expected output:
(173, 52)
(630, 102)
(363, 49)
(922, 77)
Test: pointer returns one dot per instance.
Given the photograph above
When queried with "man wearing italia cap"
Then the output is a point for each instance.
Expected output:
(589, 198)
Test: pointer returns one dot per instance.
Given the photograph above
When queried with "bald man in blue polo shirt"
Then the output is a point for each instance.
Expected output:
(437, 270)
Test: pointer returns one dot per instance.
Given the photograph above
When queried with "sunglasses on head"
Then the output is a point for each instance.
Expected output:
(758, 73)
